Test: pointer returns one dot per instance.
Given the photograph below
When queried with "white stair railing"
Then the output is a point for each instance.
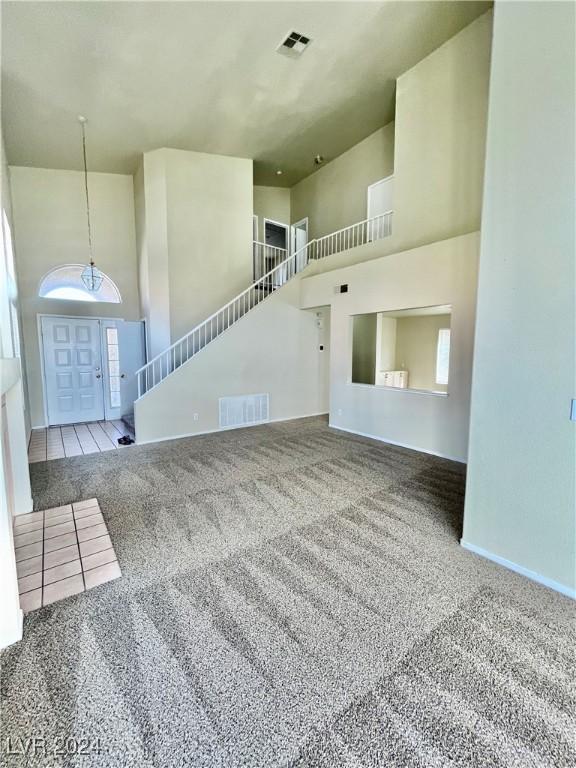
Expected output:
(363, 232)
(266, 258)
(161, 366)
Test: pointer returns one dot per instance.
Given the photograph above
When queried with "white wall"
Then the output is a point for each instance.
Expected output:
(441, 111)
(141, 241)
(17, 409)
(209, 233)
(15, 495)
(436, 152)
(196, 224)
(274, 349)
(13, 470)
(521, 500)
(271, 203)
(49, 210)
(436, 274)
(152, 248)
(335, 195)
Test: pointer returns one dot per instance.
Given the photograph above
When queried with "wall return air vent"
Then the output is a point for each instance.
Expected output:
(243, 410)
(294, 44)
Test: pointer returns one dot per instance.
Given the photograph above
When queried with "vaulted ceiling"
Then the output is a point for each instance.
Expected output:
(206, 76)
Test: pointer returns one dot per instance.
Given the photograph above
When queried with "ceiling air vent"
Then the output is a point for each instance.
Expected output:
(294, 44)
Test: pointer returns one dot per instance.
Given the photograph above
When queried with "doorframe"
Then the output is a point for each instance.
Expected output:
(277, 224)
(370, 187)
(39, 317)
(293, 228)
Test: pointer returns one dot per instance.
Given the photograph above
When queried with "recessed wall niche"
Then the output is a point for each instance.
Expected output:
(403, 349)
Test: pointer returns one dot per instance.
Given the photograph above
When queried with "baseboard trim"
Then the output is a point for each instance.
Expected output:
(400, 445)
(544, 580)
(227, 429)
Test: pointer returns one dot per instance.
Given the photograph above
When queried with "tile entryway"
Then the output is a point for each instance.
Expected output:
(76, 440)
(61, 552)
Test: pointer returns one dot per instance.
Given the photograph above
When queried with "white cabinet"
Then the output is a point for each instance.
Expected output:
(398, 379)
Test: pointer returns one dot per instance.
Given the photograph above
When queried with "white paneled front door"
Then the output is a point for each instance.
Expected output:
(72, 370)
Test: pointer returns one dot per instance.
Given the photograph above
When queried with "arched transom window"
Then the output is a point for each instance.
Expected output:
(66, 283)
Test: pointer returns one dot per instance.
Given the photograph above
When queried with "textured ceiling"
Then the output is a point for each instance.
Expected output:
(205, 76)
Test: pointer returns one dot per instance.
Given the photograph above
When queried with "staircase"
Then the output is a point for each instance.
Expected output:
(273, 268)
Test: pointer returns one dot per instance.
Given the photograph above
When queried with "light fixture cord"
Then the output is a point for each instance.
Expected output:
(87, 198)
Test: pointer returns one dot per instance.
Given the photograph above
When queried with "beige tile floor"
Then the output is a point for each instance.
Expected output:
(75, 440)
(61, 552)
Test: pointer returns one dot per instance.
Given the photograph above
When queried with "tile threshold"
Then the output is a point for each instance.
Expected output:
(106, 568)
(71, 440)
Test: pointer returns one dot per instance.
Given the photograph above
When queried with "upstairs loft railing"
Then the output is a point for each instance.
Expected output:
(266, 258)
(281, 268)
(362, 233)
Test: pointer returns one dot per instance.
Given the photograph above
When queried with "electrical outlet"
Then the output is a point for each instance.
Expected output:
(195, 417)
(339, 411)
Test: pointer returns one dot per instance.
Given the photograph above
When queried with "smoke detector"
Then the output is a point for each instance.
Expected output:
(294, 44)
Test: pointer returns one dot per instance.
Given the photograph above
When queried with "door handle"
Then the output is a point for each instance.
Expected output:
(122, 375)
(98, 376)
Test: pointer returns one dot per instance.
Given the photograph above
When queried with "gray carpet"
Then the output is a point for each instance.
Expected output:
(292, 596)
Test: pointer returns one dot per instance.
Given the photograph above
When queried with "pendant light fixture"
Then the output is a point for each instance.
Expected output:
(91, 276)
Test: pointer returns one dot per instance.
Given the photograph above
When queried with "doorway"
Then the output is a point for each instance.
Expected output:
(88, 368)
(299, 241)
(275, 234)
(380, 201)
(273, 252)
